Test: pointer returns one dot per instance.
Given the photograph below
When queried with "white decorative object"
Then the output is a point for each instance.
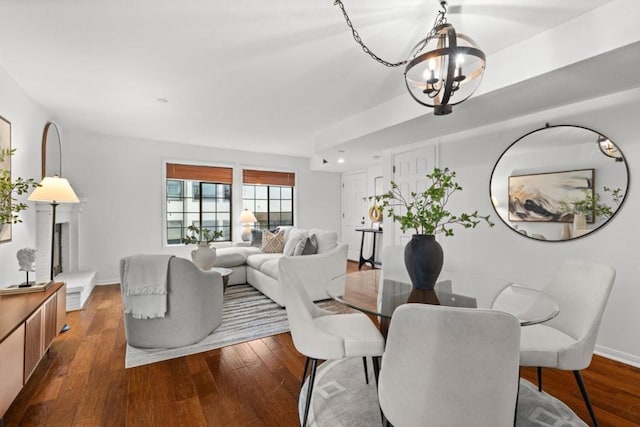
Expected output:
(579, 224)
(204, 256)
(566, 232)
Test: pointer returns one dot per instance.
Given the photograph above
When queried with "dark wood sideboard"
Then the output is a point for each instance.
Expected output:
(28, 325)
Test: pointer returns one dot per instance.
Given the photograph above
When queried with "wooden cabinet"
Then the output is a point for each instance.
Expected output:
(28, 325)
(11, 367)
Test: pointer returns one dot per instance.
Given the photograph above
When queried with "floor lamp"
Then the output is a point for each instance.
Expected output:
(54, 190)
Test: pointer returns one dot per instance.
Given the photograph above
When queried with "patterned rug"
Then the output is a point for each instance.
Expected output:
(246, 315)
(342, 398)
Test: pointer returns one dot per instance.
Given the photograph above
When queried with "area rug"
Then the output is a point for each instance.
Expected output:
(342, 398)
(246, 315)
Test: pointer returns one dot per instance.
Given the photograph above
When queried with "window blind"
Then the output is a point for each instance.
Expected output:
(258, 177)
(200, 173)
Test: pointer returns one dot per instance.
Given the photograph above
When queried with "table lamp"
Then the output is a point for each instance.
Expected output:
(54, 190)
(247, 219)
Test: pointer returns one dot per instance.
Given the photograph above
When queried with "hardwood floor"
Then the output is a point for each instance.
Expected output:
(83, 382)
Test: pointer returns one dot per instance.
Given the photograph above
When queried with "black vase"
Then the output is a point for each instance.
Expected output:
(423, 258)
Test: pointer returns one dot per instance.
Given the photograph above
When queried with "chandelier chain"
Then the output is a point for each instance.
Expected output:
(358, 40)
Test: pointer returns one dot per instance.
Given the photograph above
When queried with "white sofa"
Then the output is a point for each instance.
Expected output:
(250, 265)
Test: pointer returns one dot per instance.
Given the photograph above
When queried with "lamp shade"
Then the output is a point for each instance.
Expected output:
(54, 189)
(247, 217)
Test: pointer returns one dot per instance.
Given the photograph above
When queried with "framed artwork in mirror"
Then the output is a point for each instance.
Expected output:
(5, 146)
(549, 197)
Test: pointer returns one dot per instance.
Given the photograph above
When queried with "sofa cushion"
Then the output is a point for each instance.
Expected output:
(230, 257)
(287, 229)
(256, 261)
(272, 242)
(308, 246)
(270, 268)
(327, 240)
(295, 236)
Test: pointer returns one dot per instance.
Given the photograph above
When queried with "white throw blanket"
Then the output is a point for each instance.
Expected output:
(144, 285)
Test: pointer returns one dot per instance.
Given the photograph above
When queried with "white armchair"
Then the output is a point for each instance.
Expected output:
(194, 308)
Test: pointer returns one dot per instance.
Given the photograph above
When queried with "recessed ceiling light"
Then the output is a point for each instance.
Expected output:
(340, 160)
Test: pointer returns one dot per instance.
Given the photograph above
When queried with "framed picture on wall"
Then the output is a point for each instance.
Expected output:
(5, 168)
(548, 197)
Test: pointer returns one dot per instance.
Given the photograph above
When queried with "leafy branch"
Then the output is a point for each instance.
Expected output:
(425, 212)
(591, 204)
(201, 235)
(9, 204)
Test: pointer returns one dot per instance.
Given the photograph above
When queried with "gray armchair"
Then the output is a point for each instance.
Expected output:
(194, 308)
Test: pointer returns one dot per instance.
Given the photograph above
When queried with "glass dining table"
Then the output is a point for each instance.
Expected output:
(368, 292)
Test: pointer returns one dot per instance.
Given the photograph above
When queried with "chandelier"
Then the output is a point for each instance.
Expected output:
(443, 69)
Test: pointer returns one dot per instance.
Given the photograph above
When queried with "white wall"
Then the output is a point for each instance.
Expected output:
(27, 123)
(502, 254)
(122, 181)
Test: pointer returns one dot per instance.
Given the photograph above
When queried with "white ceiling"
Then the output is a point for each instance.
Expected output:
(255, 75)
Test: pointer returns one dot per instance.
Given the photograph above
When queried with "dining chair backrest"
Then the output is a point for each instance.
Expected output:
(581, 290)
(450, 366)
(308, 338)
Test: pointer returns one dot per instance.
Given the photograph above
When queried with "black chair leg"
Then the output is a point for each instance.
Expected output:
(304, 374)
(539, 378)
(585, 396)
(312, 378)
(366, 370)
(515, 414)
(376, 368)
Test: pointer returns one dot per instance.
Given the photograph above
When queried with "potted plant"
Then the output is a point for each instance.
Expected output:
(204, 256)
(9, 205)
(591, 207)
(427, 215)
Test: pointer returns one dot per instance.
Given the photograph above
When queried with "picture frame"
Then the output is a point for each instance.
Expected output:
(5, 144)
(543, 197)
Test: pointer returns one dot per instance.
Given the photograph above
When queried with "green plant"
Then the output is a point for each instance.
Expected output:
(200, 235)
(591, 204)
(9, 204)
(425, 212)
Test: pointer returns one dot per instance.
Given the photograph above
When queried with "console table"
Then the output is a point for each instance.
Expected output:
(372, 259)
(28, 324)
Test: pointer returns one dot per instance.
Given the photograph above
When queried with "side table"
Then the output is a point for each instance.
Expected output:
(225, 273)
(372, 259)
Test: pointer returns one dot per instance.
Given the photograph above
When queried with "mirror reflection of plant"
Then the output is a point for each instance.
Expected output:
(425, 212)
(9, 205)
(201, 235)
(591, 204)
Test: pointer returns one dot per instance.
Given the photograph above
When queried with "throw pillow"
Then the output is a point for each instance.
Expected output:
(256, 238)
(308, 246)
(294, 236)
(272, 242)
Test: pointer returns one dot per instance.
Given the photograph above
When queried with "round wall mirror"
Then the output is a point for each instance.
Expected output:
(559, 183)
(51, 151)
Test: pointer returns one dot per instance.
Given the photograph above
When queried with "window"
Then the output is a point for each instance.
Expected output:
(269, 195)
(200, 196)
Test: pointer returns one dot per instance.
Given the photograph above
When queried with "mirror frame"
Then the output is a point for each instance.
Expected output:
(548, 127)
(45, 143)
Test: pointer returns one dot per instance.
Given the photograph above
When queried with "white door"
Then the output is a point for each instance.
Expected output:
(409, 172)
(354, 210)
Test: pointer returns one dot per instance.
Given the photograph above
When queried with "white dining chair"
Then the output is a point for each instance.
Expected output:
(450, 366)
(320, 334)
(567, 341)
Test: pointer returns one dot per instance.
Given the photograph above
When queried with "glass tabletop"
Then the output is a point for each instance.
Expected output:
(367, 292)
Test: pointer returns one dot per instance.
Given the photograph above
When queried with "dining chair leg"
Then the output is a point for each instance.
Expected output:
(585, 396)
(515, 412)
(376, 368)
(366, 370)
(304, 374)
(312, 378)
(539, 378)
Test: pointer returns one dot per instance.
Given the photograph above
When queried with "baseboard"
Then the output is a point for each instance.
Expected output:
(619, 356)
